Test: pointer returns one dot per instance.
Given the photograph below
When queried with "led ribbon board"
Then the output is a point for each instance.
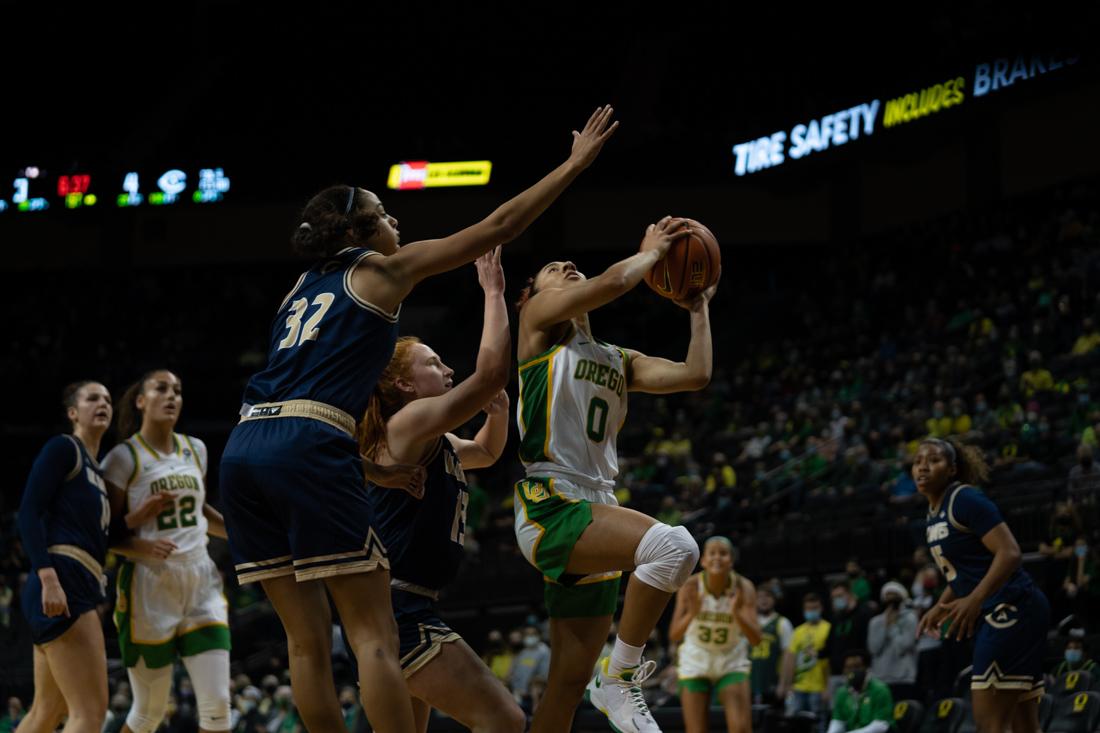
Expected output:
(417, 174)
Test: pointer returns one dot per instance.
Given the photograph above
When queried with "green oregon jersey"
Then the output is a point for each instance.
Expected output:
(572, 403)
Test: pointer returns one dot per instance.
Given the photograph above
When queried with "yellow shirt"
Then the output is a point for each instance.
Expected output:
(810, 673)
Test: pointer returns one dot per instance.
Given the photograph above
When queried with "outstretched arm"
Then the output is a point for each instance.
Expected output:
(661, 376)
(556, 305)
(488, 445)
(386, 281)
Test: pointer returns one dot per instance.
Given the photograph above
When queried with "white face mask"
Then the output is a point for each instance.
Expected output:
(530, 641)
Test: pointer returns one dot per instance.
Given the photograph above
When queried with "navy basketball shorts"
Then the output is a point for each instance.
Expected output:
(83, 592)
(295, 502)
(1010, 646)
(421, 632)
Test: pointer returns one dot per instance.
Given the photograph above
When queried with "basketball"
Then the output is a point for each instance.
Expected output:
(692, 265)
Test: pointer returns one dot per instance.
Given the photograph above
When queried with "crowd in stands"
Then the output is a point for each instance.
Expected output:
(830, 369)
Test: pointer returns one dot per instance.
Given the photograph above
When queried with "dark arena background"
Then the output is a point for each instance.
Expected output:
(908, 209)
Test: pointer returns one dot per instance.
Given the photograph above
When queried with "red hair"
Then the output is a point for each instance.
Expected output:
(386, 399)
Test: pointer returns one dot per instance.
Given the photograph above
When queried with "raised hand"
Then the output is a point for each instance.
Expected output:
(661, 235)
(497, 405)
(489, 272)
(588, 142)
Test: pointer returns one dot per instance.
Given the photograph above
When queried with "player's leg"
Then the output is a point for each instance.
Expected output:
(993, 709)
(1025, 716)
(78, 661)
(48, 707)
(149, 690)
(733, 692)
(457, 682)
(695, 701)
(363, 602)
(575, 645)
(661, 557)
(203, 641)
(209, 673)
(304, 612)
(422, 714)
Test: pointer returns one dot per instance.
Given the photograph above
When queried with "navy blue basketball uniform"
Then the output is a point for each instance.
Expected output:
(424, 538)
(1010, 644)
(63, 520)
(291, 475)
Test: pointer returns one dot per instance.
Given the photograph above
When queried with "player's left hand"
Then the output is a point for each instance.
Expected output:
(489, 272)
(406, 477)
(700, 300)
(498, 405)
(962, 616)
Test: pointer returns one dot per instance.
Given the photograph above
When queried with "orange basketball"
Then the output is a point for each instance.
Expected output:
(692, 265)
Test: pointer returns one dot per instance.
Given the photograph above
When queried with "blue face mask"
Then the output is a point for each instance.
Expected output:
(812, 616)
(1073, 656)
(1081, 550)
(840, 603)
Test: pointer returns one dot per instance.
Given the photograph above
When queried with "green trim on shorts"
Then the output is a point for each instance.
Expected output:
(204, 639)
(704, 685)
(155, 655)
(582, 601)
(561, 520)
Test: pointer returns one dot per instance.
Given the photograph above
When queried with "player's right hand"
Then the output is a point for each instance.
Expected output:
(406, 477)
(153, 505)
(661, 235)
(489, 272)
(162, 548)
(931, 621)
(54, 601)
(588, 142)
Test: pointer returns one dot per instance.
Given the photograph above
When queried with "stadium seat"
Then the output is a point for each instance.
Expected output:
(1078, 713)
(1070, 683)
(946, 716)
(962, 682)
(908, 715)
(1046, 707)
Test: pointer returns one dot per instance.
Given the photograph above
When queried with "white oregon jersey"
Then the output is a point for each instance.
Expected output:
(572, 404)
(713, 628)
(142, 471)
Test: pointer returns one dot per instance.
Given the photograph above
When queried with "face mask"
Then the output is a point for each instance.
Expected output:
(839, 604)
(893, 602)
(1073, 656)
(938, 412)
(857, 678)
(530, 641)
(812, 616)
(1081, 550)
(853, 573)
(980, 407)
(1082, 399)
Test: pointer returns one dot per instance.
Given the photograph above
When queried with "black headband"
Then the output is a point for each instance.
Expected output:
(945, 446)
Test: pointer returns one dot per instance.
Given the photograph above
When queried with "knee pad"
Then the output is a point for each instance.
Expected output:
(666, 557)
(209, 673)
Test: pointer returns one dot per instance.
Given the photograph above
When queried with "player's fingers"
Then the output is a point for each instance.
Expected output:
(593, 118)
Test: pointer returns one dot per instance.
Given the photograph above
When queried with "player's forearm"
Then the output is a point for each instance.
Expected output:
(494, 354)
(786, 675)
(700, 356)
(1005, 562)
(493, 434)
(678, 628)
(514, 216)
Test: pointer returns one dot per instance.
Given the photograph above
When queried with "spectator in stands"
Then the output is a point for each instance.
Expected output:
(498, 657)
(892, 641)
(1084, 478)
(1075, 659)
(775, 641)
(863, 704)
(857, 580)
(13, 715)
(721, 475)
(961, 424)
(805, 675)
(116, 713)
(939, 425)
(1088, 340)
(249, 720)
(1037, 378)
(284, 717)
(533, 662)
(1080, 584)
(848, 630)
(6, 595)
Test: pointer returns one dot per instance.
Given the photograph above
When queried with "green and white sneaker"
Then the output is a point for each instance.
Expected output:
(619, 697)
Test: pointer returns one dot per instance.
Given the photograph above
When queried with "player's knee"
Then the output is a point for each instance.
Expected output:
(144, 721)
(509, 719)
(666, 557)
(214, 711)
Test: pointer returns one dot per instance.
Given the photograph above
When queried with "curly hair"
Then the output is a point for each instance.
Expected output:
(332, 220)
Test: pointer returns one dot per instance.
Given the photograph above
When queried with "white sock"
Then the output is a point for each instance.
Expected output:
(624, 656)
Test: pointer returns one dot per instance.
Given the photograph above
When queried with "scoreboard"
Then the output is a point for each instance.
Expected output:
(36, 188)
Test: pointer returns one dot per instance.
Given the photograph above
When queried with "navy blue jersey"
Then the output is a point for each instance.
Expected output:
(327, 344)
(954, 536)
(424, 536)
(65, 503)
